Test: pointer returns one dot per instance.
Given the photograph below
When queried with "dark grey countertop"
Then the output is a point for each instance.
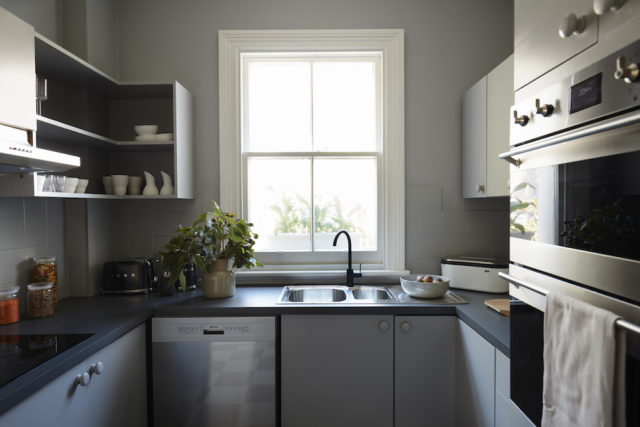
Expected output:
(110, 317)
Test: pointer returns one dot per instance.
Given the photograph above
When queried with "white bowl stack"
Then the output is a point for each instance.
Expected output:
(146, 132)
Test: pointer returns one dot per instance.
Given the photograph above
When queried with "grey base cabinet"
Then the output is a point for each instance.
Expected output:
(475, 379)
(336, 370)
(424, 371)
(507, 413)
(367, 370)
(482, 386)
(116, 397)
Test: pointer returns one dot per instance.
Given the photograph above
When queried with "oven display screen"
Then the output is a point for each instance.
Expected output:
(586, 94)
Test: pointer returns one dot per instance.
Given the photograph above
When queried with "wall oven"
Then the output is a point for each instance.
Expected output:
(575, 213)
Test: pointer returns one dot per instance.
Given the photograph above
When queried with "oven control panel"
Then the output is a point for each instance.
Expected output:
(609, 87)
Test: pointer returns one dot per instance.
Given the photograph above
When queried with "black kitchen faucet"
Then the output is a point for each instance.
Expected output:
(350, 273)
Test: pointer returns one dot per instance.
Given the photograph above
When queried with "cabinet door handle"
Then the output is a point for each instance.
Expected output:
(97, 368)
(405, 326)
(383, 325)
(82, 379)
(572, 25)
(600, 7)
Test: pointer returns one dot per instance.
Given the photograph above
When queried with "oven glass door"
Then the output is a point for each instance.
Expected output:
(592, 205)
(527, 343)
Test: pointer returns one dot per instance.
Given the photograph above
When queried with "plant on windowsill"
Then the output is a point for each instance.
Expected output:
(215, 242)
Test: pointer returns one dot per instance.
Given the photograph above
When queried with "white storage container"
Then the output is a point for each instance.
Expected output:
(475, 274)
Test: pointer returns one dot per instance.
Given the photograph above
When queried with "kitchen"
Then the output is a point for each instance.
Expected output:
(171, 41)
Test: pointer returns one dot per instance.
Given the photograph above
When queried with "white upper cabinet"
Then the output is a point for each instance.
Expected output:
(485, 133)
(17, 73)
(538, 45)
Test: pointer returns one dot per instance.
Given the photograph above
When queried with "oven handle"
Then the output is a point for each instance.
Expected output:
(535, 288)
(592, 129)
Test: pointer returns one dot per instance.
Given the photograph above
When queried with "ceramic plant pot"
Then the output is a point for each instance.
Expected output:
(220, 282)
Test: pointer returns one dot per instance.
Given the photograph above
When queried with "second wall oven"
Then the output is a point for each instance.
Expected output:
(575, 213)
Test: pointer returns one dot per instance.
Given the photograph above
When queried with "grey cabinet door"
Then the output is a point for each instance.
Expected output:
(475, 379)
(474, 140)
(538, 47)
(17, 73)
(424, 370)
(336, 370)
(116, 397)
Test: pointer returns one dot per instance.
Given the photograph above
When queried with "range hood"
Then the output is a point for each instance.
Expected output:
(18, 156)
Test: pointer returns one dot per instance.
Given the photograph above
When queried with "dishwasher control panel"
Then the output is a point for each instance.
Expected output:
(213, 328)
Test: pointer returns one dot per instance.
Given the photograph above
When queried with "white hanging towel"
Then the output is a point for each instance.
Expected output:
(583, 382)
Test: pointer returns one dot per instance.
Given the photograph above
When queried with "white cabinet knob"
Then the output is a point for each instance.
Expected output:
(383, 325)
(405, 326)
(96, 368)
(600, 7)
(82, 379)
(479, 188)
(571, 25)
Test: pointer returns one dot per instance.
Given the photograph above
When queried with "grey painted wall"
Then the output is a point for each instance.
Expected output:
(42, 14)
(449, 45)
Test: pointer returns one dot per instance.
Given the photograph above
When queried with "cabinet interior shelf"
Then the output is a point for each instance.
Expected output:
(98, 196)
(53, 130)
(53, 61)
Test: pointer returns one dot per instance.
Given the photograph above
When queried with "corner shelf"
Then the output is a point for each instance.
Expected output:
(82, 97)
(53, 130)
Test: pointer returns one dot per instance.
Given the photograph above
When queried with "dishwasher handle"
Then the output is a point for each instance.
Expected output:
(212, 331)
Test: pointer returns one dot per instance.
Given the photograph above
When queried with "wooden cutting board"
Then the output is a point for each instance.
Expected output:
(500, 305)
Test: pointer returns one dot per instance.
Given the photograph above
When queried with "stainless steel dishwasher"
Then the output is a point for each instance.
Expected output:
(218, 371)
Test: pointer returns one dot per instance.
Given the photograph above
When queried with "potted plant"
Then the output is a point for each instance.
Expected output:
(215, 242)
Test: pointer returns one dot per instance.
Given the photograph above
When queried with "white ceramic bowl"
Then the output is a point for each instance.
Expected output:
(425, 289)
(146, 129)
(70, 184)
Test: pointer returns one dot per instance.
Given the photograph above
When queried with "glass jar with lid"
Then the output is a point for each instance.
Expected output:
(40, 299)
(46, 270)
(9, 305)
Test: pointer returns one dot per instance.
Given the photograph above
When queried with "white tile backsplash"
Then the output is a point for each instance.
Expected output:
(30, 227)
(164, 223)
(141, 224)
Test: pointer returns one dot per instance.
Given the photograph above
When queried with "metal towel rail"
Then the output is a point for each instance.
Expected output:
(535, 288)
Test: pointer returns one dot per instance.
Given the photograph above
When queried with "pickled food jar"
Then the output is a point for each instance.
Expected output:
(9, 305)
(45, 270)
(40, 299)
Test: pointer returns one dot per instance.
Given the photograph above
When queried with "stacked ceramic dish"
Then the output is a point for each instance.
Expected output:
(150, 133)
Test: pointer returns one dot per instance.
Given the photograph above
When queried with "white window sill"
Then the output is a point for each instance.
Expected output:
(317, 277)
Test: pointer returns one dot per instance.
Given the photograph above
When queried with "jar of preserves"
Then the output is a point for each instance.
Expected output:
(40, 299)
(45, 270)
(9, 305)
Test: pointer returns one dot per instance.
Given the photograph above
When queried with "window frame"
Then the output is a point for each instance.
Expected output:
(233, 44)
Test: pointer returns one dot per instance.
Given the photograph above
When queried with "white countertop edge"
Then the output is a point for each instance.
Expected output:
(289, 277)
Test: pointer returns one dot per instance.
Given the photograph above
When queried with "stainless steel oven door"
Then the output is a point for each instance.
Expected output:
(575, 208)
(527, 339)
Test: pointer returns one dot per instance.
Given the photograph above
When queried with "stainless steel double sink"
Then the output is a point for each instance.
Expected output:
(333, 294)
